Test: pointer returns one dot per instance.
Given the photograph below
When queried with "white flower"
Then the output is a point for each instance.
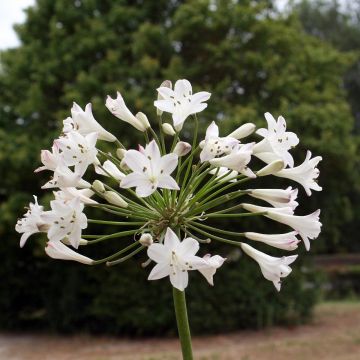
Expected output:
(215, 146)
(85, 123)
(287, 241)
(222, 171)
(78, 150)
(243, 131)
(212, 264)
(64, 177)
(110, 169)
(175, 259)
(57, 250)
(181, 102)
(66, 220)
(276, 142)
(50, 159)
(273, 268)
(307, 226)
(182, 148)
(277, 197)
(143, 119)
(150, 170)
(32, 222)
(69, 193)
(237, 160)
(305, 174)
(118, 108)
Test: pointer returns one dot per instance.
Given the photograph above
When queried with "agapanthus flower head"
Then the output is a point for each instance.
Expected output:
(166, 191)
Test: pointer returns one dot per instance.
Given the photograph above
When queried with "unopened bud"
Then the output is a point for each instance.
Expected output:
(115, 199)
(182, 148)
(98, 186)
(143, 119)
(243, 131)
(168, 129)
(67, 242)
(120, 153)
(168, 84)
(272, 168)
(146, 239)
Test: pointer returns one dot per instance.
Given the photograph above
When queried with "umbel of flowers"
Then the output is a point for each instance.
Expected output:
(167, 191)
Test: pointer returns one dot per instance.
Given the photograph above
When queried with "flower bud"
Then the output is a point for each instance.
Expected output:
(98, 186)
(272, 168)
(146, 239)
(123, 165)
(182, 148)
(168, 129)
(120, 153)
(168, 84)
(67, 242)
(243, 131)
(143, 119)
(57, 250)
(115, 199)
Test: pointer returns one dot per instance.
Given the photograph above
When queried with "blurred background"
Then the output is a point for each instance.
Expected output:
(299, 59)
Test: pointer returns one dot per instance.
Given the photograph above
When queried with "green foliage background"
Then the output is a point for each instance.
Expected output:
(252, 60)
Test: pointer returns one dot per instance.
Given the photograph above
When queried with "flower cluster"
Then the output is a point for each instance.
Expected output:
(169, 189)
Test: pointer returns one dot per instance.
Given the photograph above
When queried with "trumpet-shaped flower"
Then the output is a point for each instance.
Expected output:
(109, 169)
(181, 102)
(119, 109)
(85, 123)
(69, 193)
(287, 241)
(277, 141)
(175, 258)
(237, 160)
(78, 150)
(58, 250)
(150, 170)
(32, 222)
(50, 159)
(307, 226)
(215, 146)
(305, 174)
(273, 268)
(212, 264)
(66, 220)
(277, 197)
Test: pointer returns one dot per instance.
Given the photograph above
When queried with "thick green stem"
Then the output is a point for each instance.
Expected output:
(182, 323)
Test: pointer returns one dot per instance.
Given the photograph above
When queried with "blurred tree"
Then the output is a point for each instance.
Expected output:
(252, 60)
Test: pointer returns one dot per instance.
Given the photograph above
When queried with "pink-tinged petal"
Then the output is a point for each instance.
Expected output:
(136, 161)
(171, 240)
(168, 163)
(188, 247)
(212, 131)
(182, 87)
(179, 279)
(165, 105)
(167, 182)
(200, 96)
(159, 271)
(158, 253)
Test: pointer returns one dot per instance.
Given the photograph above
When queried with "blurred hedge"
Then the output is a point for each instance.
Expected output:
(252, 60)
